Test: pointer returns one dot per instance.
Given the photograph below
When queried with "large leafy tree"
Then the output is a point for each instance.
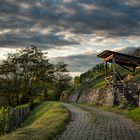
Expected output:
(61, 78)
(23, 72)
(27, 74)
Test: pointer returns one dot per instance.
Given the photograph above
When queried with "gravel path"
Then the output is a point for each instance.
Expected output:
(100, 125)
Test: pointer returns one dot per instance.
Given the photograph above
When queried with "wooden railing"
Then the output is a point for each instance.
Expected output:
(11, 118)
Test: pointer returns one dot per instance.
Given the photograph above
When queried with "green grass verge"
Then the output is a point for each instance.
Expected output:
(132, 113)
(44, 123)
(99, 84)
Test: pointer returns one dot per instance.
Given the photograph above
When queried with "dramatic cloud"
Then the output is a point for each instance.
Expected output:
(72, 30)
(84, 62)
(79, 63)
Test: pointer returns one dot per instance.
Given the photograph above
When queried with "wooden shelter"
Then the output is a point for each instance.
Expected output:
(127, 61)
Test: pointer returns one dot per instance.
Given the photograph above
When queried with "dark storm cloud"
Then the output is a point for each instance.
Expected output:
(109, 17)
(25, 38)
(119, 18)
(40, 22)
(82, 63)
(79, 63)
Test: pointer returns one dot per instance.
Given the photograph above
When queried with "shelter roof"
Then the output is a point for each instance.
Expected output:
(120, 58)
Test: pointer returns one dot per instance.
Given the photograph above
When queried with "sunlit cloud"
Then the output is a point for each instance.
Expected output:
(4, 31)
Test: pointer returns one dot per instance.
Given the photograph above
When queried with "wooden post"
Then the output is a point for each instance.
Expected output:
(16, 117)
(9, 119)
(114, 71)
(105, 67)
(114, 78)
(13, 119)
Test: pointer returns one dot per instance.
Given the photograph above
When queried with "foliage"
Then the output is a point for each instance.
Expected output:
(77, 81)
(4, 116)
(27, 74)
(62, 79)
(93, 73)
(93, 78)
(3, 120)
(44, 123)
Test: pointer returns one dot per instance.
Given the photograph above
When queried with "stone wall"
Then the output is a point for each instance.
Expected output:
(88, 96)
(107, 96)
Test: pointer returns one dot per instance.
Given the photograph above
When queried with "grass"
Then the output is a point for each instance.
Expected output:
(131, 113)
(134, 114)
(44, 123)
(100, 84)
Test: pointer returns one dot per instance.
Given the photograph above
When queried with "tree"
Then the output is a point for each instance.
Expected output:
(23, 72)
(61, 78)
(27, 74)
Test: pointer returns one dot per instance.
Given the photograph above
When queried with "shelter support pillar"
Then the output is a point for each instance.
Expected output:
(114, 79)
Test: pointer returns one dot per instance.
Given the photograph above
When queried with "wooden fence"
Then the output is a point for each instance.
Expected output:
(11, 118)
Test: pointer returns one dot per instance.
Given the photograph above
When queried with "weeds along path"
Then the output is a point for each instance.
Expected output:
(89, 123)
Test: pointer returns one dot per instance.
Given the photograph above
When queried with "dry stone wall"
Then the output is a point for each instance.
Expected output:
(97, 96)
(107, 96)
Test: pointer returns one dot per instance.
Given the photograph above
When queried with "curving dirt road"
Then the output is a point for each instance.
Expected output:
(98, 125)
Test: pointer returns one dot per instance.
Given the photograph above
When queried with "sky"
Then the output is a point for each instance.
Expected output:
(73, 31)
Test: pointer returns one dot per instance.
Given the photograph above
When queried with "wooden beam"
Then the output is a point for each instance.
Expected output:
(126, 68)
(125, 64)
(131, 59)
(138, 67)
(108, 58)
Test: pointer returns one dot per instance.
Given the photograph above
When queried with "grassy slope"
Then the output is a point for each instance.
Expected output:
(99, 84)
(44, 123)
(133, 113)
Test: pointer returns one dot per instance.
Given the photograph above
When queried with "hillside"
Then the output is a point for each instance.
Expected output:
(94, 87)
(94, 78)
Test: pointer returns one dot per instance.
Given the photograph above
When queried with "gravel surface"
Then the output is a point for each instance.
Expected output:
(89, 123)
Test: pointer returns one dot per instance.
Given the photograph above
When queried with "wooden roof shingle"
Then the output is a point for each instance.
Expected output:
(120, 58)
